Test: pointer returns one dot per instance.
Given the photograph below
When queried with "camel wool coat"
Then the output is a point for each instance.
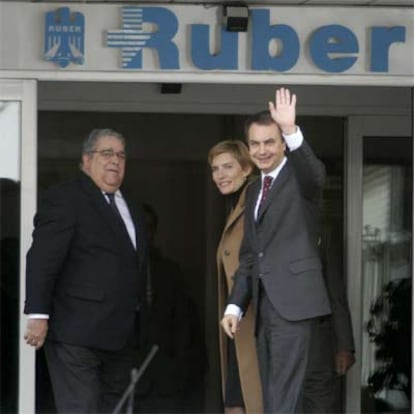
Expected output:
(227, 264)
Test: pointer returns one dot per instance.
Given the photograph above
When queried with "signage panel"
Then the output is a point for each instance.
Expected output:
(186, 39)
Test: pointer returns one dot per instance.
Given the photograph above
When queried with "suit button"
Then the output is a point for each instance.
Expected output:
(226, 253)
(261, 254)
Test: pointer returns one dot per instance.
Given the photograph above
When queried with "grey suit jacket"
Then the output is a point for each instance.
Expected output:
(280, 248)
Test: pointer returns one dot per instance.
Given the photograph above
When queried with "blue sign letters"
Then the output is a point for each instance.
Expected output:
(381, 40)
(333, 39)
(283, 37)
(332, 48)
(226, 59)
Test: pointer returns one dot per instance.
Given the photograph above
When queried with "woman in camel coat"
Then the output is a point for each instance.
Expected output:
(231, 166)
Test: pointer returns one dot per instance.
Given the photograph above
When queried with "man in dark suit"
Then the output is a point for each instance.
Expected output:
(280, 269)
(85, 280)
(332, 343)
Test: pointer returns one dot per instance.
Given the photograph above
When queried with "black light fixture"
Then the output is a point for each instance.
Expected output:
(236, 17)
(171, 88)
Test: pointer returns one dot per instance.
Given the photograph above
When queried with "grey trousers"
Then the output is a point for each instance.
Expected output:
(322, 393)
(282, 348)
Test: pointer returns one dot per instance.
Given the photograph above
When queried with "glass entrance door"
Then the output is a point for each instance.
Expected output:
(379, 262)
(386, 275)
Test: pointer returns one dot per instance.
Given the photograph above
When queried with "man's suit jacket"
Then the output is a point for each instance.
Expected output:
(280, 248)
(82, 269)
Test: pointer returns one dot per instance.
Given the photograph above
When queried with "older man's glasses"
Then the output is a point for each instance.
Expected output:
(108, 154)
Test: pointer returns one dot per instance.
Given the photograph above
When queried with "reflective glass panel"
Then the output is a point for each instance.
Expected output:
(386, 273)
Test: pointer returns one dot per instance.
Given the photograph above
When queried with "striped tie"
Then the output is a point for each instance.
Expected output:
(267, 182)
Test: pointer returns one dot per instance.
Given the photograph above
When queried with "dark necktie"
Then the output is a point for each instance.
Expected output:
(114, 207)
(267, 182)
(111, 197)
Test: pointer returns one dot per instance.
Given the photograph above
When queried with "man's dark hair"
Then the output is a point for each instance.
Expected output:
(260, 118)
(90, 142)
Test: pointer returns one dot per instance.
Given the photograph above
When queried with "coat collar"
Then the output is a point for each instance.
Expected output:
(237, 211)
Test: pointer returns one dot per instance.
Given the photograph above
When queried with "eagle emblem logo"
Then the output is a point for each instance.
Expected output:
(64, 37)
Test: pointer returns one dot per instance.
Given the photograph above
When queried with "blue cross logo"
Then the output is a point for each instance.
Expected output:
(137, 33)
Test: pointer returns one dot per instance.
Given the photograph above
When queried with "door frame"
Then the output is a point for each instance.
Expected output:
(357, 128)
(25, 92)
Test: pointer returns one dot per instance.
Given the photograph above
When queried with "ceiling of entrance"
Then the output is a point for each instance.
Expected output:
(350, 3)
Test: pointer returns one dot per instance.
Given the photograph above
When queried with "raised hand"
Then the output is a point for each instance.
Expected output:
(283, 110)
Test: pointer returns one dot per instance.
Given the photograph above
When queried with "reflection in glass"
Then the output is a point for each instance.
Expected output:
(386, 272)
(9, 252)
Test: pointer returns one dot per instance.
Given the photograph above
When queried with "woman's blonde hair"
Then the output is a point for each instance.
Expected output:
(236, 148)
